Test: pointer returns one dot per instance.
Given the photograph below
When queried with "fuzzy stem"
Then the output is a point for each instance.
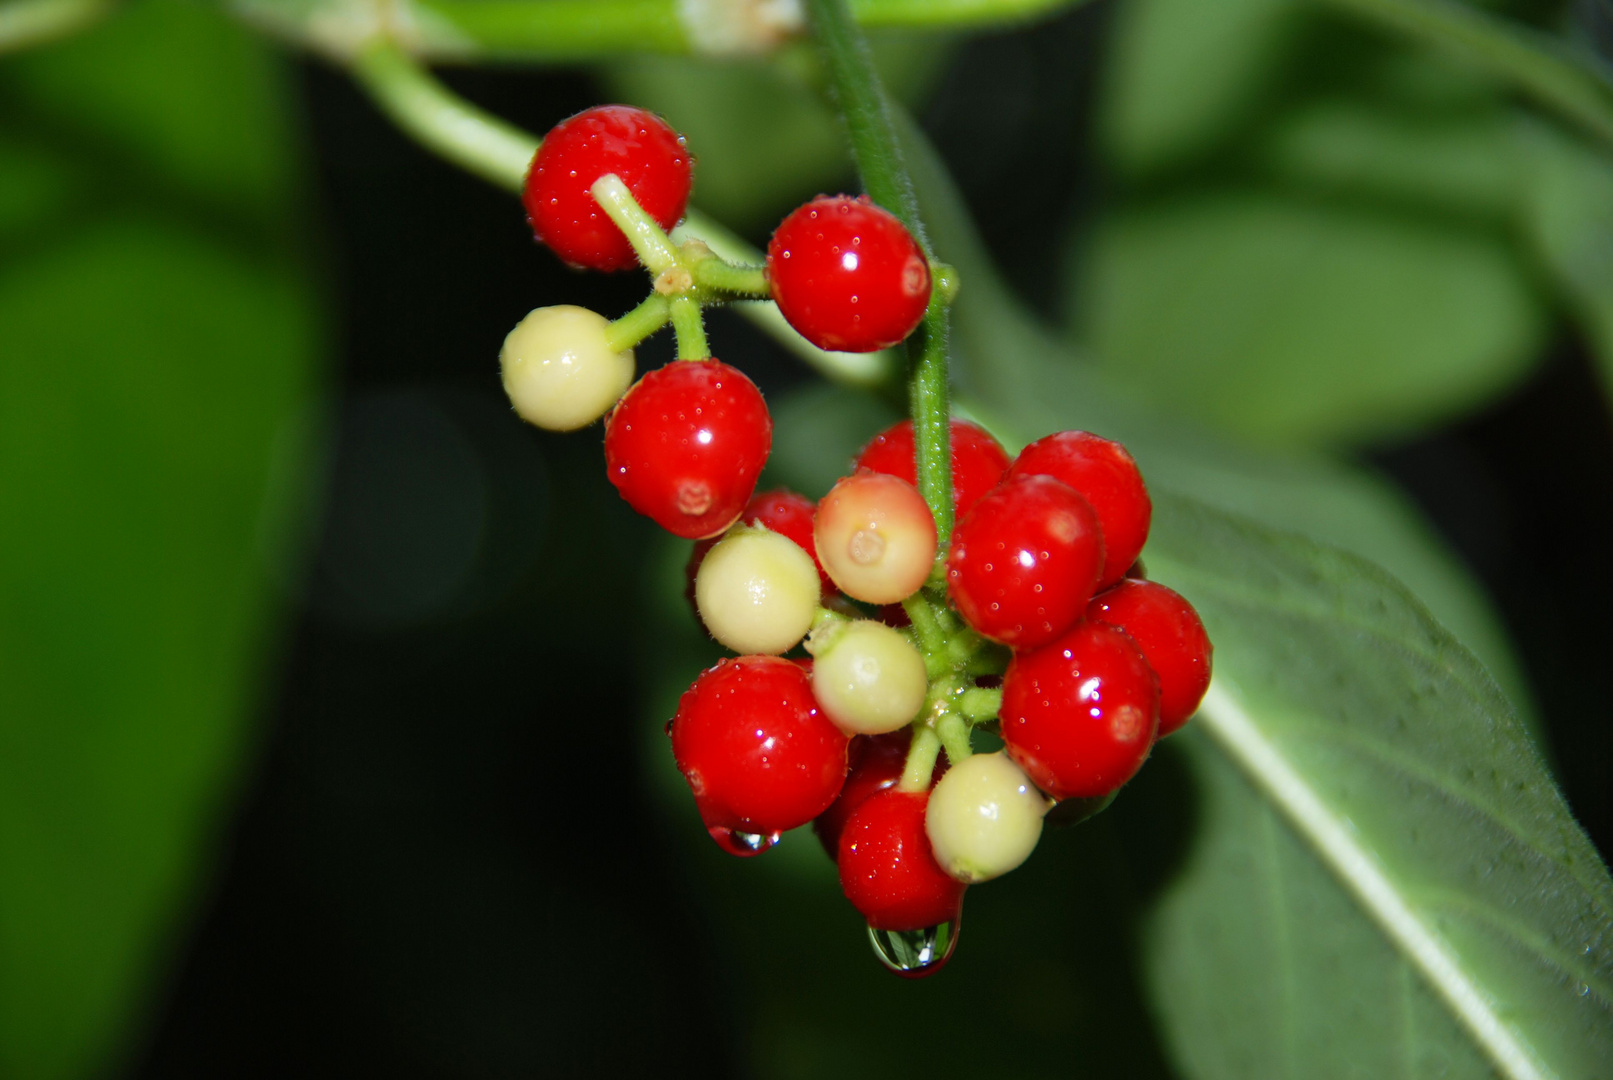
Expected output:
(650, 242)
(861, 99)
(638, 324)
(690, 327)
(978, 705)
(725, 277)
(954, 734)
(921, 755)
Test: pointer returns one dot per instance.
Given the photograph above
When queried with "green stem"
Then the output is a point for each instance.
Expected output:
(25, 23)
(556, 30)
(862, 103)
(925, 628)
(954, 734)
(980, 706)
(1535, 63)
(721, 276)
(650, 242)
(470, 138)
(921, 755)
(638, 324)
(690, 327)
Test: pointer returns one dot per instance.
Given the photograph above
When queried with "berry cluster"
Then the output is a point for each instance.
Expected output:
(868, 645)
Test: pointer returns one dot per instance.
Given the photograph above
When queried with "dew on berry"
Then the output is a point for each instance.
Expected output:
(742, 844)
(875, 537)
(978, 460)
(913, 954)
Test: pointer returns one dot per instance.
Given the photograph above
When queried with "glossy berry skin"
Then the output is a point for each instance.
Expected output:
(887, 869)
(1172, 639)
(848, 275)
(685, 445)
(1079, 714)
(1025, 561)
(1105, 473)
(875, 537)
(638, 146)
(877, 762)
(758, 754)
(978, 460)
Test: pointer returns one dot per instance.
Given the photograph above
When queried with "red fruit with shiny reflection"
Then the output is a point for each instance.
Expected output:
(1106, 475)
(978, 460)
(1025, 561)
(1171, 637)
(686, 443)
(638, 146)
(758, 754)
(887, 869)
(877, 762)
(1079, 714)
(847, 274)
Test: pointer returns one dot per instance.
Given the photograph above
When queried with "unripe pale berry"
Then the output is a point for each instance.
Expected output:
(757, 591)
(559, 369)
(984, 818)
(875, 537)
(867, 677)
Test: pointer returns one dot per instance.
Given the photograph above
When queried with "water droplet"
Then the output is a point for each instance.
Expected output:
(743, 844)
(913, 954)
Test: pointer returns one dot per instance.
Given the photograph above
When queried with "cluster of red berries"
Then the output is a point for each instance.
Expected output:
(1035, 619)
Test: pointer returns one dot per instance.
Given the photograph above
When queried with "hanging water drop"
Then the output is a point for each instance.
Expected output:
(743, 844)
(913, 954)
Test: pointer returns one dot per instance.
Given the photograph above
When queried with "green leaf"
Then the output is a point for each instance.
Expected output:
(1387, 881)
(1301, 322)
(158, 342)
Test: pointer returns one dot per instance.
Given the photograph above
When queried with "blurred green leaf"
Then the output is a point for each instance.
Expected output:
(1569, 216)
(1388, 881)
(1298, 322)
(765, 139)
(1314, 241)
(158, 339)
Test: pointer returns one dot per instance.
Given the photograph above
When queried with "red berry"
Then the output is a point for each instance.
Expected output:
(978, 460)
(848, 275)
(1107, 475)
(1025, 561)
(757, 753)
(686, 443)
(781, 510)
(887, 869)
(877, 762)
(1171, 637)
(638, 146)
(1079, 714)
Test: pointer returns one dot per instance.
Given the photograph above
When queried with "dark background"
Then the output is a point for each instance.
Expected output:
(445, 863)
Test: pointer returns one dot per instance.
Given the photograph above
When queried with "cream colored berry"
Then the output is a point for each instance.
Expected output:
(757, 591)
(875, 537)
(867, 677)
(559, 369)
(984, 817)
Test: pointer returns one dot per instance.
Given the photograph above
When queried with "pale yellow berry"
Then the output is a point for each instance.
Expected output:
(875, 537)
(559, 369)
(867, 677)
(757, 591)
(984, 817)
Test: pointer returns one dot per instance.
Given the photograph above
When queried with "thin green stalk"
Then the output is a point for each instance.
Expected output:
(1535, 63)
(25, 23)
(861, 99)
(921, 755)
(725, 277)
(690, 327)
(476, 141)
(650, 242)
(954, 734)
(554, 30)
(638, 324)
(980, 706)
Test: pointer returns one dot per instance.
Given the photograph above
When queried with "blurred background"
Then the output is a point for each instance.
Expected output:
(331, 694)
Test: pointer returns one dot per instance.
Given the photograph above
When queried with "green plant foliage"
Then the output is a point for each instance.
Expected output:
(1264, 954)
(768, 138)
(1314, 243)
(157, 340)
